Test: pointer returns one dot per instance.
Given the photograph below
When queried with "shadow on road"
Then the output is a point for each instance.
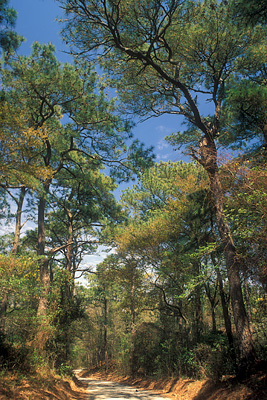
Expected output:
(106, 390)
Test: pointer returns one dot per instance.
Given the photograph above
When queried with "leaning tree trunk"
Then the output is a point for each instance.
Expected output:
(245, 342)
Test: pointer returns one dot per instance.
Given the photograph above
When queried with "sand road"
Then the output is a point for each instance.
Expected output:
(108, 390)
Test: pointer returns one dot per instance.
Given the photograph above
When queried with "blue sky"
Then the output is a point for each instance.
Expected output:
(37, 22)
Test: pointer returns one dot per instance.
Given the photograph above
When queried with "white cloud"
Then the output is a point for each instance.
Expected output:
(161, 157)
(163, 129)
(162, 144)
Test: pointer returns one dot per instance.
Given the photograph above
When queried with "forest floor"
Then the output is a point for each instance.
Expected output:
(48, 387)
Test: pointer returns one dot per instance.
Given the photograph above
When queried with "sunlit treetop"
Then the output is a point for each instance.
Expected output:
(163, 206)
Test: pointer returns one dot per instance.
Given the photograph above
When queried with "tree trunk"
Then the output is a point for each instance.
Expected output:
(247, 297)
(105, 331)
(247, 354)
(226, 316)
(213, 303)
(18, 225)
(14, 251)
(198, 319)
(132, 311)
(44, 262)
(3, 310)
(69, 259)
(44, 331)
(133, 305)
(227, 320)
(69, 255)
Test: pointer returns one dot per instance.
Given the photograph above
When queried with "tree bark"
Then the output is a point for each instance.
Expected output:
(247, 297)
(198, 320)
(226, 316)
(69, 253)
(213, 304)
(105, 331)
(43, 333)
(69, 259)
(3, 311)
(132, 312)
(44, 262)
(18, 225)
(133, 302)
(247, 354)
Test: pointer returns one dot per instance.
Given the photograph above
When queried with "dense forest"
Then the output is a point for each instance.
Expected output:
(181, 290)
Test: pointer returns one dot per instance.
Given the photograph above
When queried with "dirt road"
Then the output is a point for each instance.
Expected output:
(106, 390)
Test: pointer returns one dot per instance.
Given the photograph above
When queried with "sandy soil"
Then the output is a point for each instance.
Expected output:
(187, 389)
(108, 390)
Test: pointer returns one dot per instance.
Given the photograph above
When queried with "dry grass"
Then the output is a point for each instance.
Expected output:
(40, 387)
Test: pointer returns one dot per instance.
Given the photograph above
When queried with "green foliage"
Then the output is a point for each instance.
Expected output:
(19, 275)
(20, 289)
(246, 210)
(9, 40)
(211, 357)
(252, 11)
(42, 91)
